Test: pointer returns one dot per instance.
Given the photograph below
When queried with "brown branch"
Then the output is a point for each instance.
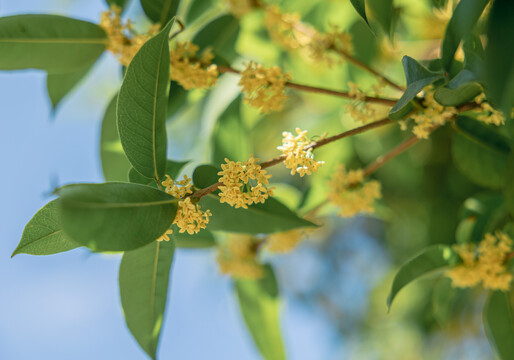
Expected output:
(318, 90)
(381, 160)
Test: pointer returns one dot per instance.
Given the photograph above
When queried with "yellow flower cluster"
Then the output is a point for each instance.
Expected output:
(491, 116)
(433, 115)
(321, 44)
(237, 189)
(123, 43)
(283, 28)
(240, 8)
(188, 70)
(352, 194)
(298, 159)
(359, 109)
(484, 264)
(189, 218)
(264, 87)
(238, 257)
(284, 242)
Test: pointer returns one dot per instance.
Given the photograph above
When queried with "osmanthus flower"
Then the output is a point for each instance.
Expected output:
(284, 242)
(190, 71)
(489, 114)
(359, 109)
(240, 8)
(123, 42)
(264, 87)
(433, 114)
(323, 47)
(189, 217)
(351, 193)
(298, 159)
(238, 257)
(283, 28)
(485, 263)
(243, 183)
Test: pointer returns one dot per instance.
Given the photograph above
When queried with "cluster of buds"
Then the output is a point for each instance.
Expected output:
(299, 159)
(489, 115)
(238, 257)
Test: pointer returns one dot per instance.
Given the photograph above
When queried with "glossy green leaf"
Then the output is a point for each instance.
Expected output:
(142, 103)
(432, 258)
(43, 234)
(231, 135)
(360, 7)
(221, 35)
(509, 184)
(176, 99)
(461, 24)
(53, 43)
(115, 164)
(260, 306)
(417, 77)
(499, 55)
(480, 152)
(115, 216)
(173, 169)
(499, 323)
(160, 11)
(59, 85)
(204, 239)
(459, 90)
(143, 279)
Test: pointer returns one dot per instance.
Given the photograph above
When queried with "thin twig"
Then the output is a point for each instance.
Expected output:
(381, 160)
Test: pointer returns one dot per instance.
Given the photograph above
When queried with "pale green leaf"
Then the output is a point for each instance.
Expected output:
(59, 85)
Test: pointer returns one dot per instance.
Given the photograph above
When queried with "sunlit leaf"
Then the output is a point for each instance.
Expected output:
(499, 323)
(43, 234)
(260, 306)
(142, 103)
(143, 279)
(432, 258)
(53, 43)
(115, 216)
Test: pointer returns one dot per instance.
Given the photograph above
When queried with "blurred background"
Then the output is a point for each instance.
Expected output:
(334, 285)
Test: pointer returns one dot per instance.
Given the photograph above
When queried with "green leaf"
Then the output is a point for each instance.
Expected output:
(432, 258)
(383, 11)
(197, 8)
(142, 104)
(43, 234)
(176, 99)
(459, 90)
(260, 306)
(443, 299)
(144, 277)
(270, 217)
(480, 152)
(221, 35)
(160, 11)
(115, 164)
(173, 169)
(499, 56)
(360, 7)
(473, 55)
(231, 135)
(53, 43)
(499, 323)
(461, 24)
(115, 216)
(509, 182)
(204, 239)
(417, 77)
(59, 85)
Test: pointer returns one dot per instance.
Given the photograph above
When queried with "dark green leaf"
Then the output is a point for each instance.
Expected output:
(260, 306)
(43, 234)
(270, 217)
(115, 216)
(221, 35)
(432, 258)
(53, 43)
(461, 24)
(509, 188)
(459, 90)
(204, 239)
(360, 7)
(59, 85)
(231, 135)
(473, 55)
(443, 298)
(144, 277)
(115, 164)
(499, 56)
(383, 12)
(480, 152)
(160, 11)
(176, 99)
(499, 323)
(197, 8)
(173, 168)
(142, 104)
(417, 77)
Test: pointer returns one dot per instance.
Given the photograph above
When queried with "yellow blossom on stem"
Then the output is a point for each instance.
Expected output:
(282, 28)
(485, 263)
(359, 109)
(238, 257)
(237, 189)
(284, 242)
(264, 87)
(178, 189)
(240, 8)
(489, 114)
(188, 70)
(165, 237)
(298, 159)
(352, 194)
(324, 47)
